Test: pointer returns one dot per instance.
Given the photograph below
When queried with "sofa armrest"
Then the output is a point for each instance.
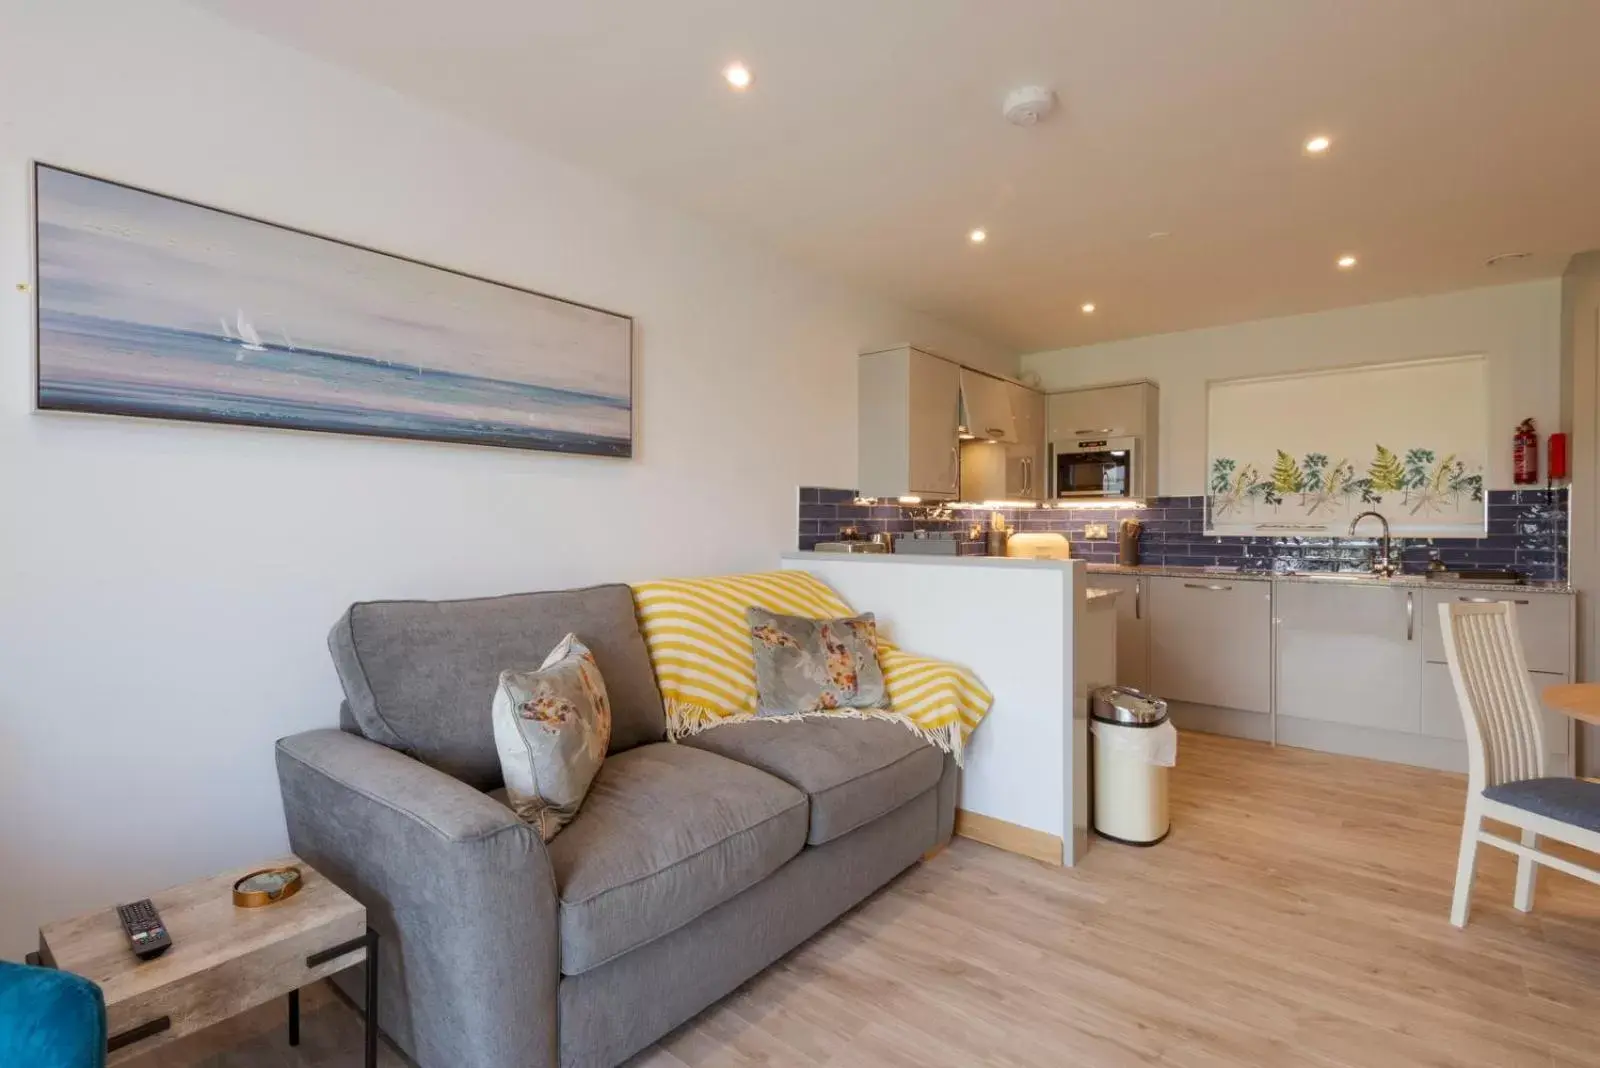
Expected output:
(459, 889)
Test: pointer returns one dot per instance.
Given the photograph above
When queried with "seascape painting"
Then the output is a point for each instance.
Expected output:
(153, 306)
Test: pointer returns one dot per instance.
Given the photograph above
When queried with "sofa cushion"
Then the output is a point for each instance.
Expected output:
(420, 676)
(853, 770)
(666, 833)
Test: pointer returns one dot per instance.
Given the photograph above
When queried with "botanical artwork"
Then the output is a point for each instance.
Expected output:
(1310, 491)
(152, 306)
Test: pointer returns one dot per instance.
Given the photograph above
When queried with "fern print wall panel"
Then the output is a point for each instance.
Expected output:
(1306, 453)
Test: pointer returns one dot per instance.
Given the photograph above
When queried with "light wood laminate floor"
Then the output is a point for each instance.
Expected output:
(1296, 917)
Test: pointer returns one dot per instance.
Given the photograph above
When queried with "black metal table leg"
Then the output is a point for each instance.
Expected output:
(294, 1017)
(372, 998)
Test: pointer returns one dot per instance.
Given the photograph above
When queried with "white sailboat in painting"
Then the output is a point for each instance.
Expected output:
(249, 340)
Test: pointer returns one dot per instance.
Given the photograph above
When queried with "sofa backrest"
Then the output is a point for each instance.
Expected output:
(420, 676)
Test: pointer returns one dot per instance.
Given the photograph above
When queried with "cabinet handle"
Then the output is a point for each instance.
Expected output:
(1489, 600)
(1138, 598)
(955, 467)
(1411, 615)
(1203, 586)
(1094, 430)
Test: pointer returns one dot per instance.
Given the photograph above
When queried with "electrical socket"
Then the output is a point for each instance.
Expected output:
(1097, 531)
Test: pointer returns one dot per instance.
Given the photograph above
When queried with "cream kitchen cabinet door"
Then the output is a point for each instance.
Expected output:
(1109, 410)
(1544, 620)
(1211, 641)
(1350, 654)
(1025, 473)
(909, 405)
(1133, 627)
(1441, 715)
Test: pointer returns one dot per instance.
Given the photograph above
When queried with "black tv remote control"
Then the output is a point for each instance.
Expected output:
(147, 935)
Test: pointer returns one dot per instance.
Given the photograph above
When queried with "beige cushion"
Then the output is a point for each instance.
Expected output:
(551, 728)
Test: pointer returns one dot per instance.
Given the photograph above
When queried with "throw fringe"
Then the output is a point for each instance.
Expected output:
(685, 719)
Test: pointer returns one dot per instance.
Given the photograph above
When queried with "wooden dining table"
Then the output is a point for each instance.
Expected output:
(1580, 700)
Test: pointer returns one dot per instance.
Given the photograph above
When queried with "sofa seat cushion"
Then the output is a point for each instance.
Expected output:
(853, 770)
(666, 833)
(420, 676)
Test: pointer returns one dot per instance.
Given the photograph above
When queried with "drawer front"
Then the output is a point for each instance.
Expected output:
(209, 995)
(1211, 641)
(1544, 620)
(1441, 714)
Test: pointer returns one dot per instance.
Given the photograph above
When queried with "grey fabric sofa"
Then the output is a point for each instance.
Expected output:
(690, 868)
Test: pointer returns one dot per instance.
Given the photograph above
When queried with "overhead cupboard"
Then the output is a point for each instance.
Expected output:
(1352, 667)
(933, 429)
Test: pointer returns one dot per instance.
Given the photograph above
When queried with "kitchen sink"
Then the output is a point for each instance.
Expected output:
(1339, 576)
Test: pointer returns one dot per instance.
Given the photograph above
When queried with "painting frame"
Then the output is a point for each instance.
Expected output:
(621, 447)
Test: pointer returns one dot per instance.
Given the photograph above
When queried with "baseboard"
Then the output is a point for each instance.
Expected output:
(1232, 722)
(1396, 747)
(1012, 837)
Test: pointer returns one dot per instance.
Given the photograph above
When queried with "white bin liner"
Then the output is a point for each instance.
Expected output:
(1157, 745)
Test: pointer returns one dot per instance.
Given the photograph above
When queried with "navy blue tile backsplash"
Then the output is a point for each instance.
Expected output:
(1527, 533)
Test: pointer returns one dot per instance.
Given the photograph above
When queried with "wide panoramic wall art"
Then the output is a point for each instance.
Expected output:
(152, 306)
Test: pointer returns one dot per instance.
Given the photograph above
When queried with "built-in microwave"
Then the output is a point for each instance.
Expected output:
(1104, 468)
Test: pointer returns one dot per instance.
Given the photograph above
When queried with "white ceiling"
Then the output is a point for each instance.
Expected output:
(872, 140)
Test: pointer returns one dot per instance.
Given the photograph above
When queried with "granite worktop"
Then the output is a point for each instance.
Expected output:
(1342, 578)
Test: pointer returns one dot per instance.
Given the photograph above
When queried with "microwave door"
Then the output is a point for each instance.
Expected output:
(1097, 473)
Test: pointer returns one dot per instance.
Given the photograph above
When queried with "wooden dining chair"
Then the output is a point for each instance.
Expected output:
(1506, 778)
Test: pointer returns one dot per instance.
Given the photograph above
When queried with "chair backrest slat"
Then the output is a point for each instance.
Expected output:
(1505, 737)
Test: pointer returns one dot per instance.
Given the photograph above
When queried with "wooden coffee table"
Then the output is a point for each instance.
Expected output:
(223, 961)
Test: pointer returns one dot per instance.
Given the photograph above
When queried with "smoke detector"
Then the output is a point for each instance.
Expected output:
(1026, 106)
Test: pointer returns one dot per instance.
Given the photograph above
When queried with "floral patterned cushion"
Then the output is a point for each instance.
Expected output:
(805, 666)
(551, 727)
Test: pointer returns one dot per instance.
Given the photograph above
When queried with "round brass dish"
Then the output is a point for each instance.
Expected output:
(266, 887)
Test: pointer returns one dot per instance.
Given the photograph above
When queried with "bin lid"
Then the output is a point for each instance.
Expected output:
(1127, 706)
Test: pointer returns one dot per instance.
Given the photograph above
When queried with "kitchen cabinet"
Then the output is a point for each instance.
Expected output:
(1025, 471)
(986, 407)
(1441, 713)
(908, 409)
(1543, 620)
(1343, 667)
(1547, 627)
(1121, 410)
(1211, 641)
(1349, 654)
(1133, 628)
(1130, 410)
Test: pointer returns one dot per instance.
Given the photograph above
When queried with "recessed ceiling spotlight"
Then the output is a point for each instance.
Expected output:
(1346, 262)
(738, 75)
(1506, 257)
(1318, 145)
(1088, 309)
(978, 237)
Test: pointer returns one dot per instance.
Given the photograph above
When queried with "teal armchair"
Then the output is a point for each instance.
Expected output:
(50, 1019)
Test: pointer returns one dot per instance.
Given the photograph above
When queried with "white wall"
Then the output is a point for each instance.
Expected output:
(1026, 763)
(1517, 327)
(165, 589)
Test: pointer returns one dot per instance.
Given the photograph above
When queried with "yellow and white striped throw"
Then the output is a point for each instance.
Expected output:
(700, 648)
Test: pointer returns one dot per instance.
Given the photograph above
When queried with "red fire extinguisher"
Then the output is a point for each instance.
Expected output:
(1525, 454)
